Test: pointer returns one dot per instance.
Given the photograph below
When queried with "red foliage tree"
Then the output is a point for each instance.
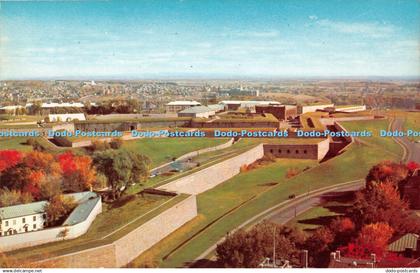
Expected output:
(386, 172)
(373, 238)
(9, 158)
(66, 161)
(412, 166)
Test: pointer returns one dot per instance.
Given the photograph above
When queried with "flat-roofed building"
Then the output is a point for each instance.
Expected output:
(281, 112)
(236, 104)
(302, 109)
(66, 117)
(176, 106)
(217, 107)
(197, 112)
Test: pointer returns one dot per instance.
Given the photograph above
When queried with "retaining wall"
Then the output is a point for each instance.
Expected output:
(212, 176)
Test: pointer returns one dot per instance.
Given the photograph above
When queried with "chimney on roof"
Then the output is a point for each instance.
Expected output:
(373, 257)
(332, 256)
(338, 255)
(304, 258)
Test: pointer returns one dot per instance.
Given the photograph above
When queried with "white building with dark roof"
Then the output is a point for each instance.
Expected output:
(32, 217)
(22, 218)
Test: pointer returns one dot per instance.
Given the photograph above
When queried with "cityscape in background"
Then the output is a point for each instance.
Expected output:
(210, 134)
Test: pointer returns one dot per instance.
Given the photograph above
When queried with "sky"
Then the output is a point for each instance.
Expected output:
(209, 38)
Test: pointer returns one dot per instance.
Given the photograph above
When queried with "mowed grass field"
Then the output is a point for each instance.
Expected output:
(226, 206)
(311, 219)
(412, 122)
(375, 126)
(162, 150)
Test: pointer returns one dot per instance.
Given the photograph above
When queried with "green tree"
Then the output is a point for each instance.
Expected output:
(13, 197)
(249, 248)
(122, 168)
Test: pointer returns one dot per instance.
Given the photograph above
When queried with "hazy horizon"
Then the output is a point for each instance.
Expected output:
(209, 39)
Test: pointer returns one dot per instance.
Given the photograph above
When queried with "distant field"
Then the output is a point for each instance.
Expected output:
(25, 118)
(19, 144)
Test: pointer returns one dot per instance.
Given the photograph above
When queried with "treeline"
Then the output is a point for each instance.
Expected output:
(37, 175)
(115, 106)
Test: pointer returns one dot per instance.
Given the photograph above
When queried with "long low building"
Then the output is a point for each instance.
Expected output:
(176, 106)
(66, 117)
(302, 109)
(197, 112)
(236, 104)
(350, 108)
(281, 112)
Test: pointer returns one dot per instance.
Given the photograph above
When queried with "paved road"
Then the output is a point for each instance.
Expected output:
(284, 215)
(413, 149)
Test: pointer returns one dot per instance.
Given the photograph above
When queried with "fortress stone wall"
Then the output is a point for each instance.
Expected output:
(212, 176)
(315, 151)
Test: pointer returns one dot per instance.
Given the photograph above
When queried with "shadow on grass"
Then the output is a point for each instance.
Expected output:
(339, 197)
(339, 209)
(203, 263)
(321, 220)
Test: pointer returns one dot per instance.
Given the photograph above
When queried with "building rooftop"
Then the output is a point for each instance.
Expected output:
(408, 241)
(257, 102)
(38, 207)
(196, 110)
(22, 210)
(184, 102)
(65, 104)
(82, 211)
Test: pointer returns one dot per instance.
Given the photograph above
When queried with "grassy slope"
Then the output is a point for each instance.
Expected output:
(375, 126)
(161, 150)
(218, 201)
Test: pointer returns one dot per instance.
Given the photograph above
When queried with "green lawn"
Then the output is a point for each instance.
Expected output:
(19, 144)
(412, 122)
(110, 220)
(162, 150)
(226, 206)
(375, 126)
(311, 219)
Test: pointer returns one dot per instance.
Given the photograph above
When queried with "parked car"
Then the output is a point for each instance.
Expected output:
(292, 196)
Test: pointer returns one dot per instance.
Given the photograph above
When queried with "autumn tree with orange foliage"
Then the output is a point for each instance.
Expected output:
(387, 172)
(29, 174)
(79, 174)
(382, 203)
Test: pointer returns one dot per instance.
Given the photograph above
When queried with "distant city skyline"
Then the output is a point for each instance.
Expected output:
(214, 39)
